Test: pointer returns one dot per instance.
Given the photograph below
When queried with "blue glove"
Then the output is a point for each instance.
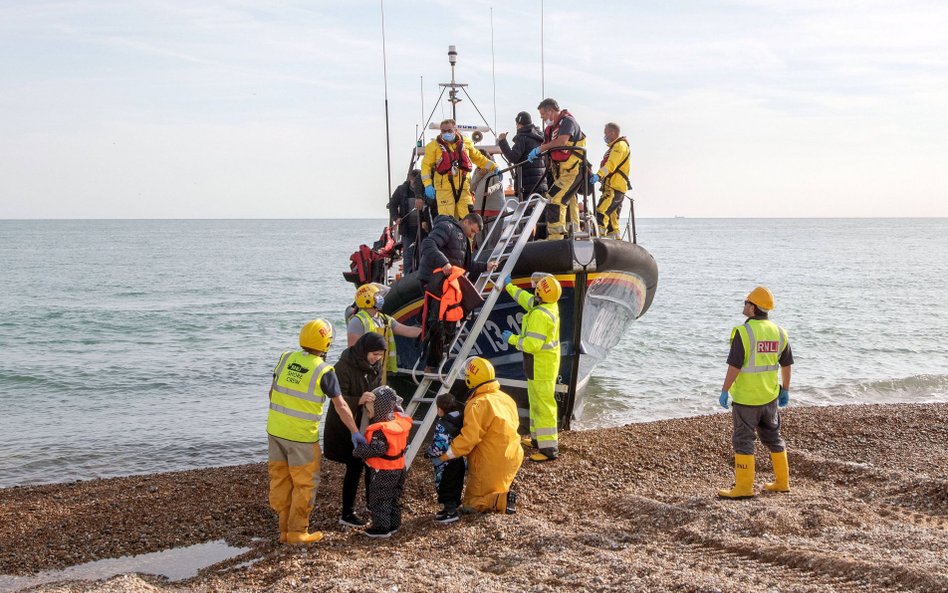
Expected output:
(533, 154)
(783, 398)
(723, 399)
(357, 439)
(594, 179)
(506, 336)
(429, 192)
(507, 280)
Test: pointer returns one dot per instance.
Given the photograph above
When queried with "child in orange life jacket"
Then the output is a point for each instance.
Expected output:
(449, 475)
(384, 452)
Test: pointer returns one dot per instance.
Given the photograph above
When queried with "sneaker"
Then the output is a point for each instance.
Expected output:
(447, 516)
(376, 532)
(352, 520)
(511, 503)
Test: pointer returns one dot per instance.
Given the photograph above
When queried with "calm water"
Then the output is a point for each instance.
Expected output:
(141, 346)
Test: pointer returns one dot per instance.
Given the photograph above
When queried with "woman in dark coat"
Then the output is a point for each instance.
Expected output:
(359, 371)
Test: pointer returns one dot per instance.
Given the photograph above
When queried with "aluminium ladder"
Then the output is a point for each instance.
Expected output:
(515, 230)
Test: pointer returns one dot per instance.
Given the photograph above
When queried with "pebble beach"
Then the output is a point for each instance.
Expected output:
(626, 509)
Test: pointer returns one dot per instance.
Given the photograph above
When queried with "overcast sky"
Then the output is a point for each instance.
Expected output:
(243, 109)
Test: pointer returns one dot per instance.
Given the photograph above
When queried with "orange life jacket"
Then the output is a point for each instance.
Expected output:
(458, 158)
(396, 432)
(553, 131)
(452, 299)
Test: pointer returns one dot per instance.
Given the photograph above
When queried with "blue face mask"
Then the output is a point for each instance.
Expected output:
(605, 139)
(448, 136)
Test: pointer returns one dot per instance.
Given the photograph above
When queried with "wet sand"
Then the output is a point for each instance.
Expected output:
(625, 509)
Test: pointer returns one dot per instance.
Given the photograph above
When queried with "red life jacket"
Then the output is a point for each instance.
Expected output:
(396, 432)
(553, 131)
(452, 298)
(450, 159)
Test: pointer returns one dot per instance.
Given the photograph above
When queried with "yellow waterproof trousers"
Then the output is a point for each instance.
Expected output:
(562, 197)
(448, 206)
(608, 210)
(294, 476)
(542, 396)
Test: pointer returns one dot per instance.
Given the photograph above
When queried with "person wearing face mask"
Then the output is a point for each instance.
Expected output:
(359, 371)
(445, 170)
(562, 130)
(531, 177)
(614, 174)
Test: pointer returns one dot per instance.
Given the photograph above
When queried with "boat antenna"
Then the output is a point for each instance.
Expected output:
(542, 73)
(388, 149)
(421, 88)
(453, 93)
(493, 70)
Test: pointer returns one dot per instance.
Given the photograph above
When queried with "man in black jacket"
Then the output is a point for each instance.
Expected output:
(406, 202)
(531, 177)
(447, 245)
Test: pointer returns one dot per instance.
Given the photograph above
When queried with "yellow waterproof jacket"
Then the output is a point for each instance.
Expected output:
(614, 171)
(539, 337)
(490, 441)
(432, 157)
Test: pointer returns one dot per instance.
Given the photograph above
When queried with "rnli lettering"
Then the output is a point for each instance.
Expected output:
(767, 347)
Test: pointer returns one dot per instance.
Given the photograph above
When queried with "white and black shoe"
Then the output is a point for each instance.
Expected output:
(352, 520)
(447, 516)
(376, 532)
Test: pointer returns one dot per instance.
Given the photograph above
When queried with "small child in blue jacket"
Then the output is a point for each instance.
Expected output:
(449, 475)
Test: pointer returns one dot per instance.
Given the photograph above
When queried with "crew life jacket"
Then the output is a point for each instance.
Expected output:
(396, 433)
(553, 131)
(452, 161)
(384, 330)
(764, 341)
(296, 397)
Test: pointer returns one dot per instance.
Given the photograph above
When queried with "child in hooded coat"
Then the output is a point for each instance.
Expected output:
(384, 452)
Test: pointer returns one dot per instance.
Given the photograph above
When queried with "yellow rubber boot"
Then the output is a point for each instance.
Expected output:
(303, 537)
(781, 481)
(743, 478)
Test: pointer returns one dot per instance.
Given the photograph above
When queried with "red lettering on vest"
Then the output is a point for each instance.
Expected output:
(767, 347)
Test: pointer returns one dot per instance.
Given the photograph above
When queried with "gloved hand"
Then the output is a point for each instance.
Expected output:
(783, 398)
(594, 179)
(723, 399)
(429, 192)
(507, 280)
(506, 336)
(533, 154)
(357, 439)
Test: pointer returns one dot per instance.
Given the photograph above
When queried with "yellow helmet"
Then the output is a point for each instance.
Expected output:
(367, 296)
(762, 297)
(316, 335)
(477, 371)
(548, 288)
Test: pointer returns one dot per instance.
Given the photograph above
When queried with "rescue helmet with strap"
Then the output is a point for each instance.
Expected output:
(547, 287)
(316, 335)
(762, 298)
(477, 371)
(368, 297)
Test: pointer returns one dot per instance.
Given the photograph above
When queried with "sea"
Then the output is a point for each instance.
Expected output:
(140, 346)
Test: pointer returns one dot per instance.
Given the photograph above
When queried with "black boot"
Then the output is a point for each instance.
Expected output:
(511, 502)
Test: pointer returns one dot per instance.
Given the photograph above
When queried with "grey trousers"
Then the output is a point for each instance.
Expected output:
(762, 421)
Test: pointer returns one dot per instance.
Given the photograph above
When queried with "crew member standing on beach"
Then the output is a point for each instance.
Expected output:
(759, 348)
(539, 340)
(302, 381)
(448, 160)
(369, 318)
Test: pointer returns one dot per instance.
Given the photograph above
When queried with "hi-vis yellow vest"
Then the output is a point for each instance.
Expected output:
(764, 341)
(369, 325)
(296, 398)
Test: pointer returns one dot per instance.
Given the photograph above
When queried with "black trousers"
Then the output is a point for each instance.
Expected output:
(355, 469)
(452, 482)
(385, 498)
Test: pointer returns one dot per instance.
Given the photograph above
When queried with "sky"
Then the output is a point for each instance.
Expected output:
(245, 109)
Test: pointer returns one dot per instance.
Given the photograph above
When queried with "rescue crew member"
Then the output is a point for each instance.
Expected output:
(384, 452)
(448, 161)
(301, 383)
(539, 340)
(446, 246)
(369, 318)
(562, 129)
(490, 441)
(614, 174)
(758, 349)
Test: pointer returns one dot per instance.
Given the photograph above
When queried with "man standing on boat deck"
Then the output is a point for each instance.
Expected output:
(614, 174)
(562, 130)
(539, 340)
(404, 207)
(302, 381)
(531, 176)
(446, 167)
(758, 349)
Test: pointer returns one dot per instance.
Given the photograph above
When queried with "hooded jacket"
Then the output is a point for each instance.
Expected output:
(356, 376)
(446, 243)
(529, 174)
